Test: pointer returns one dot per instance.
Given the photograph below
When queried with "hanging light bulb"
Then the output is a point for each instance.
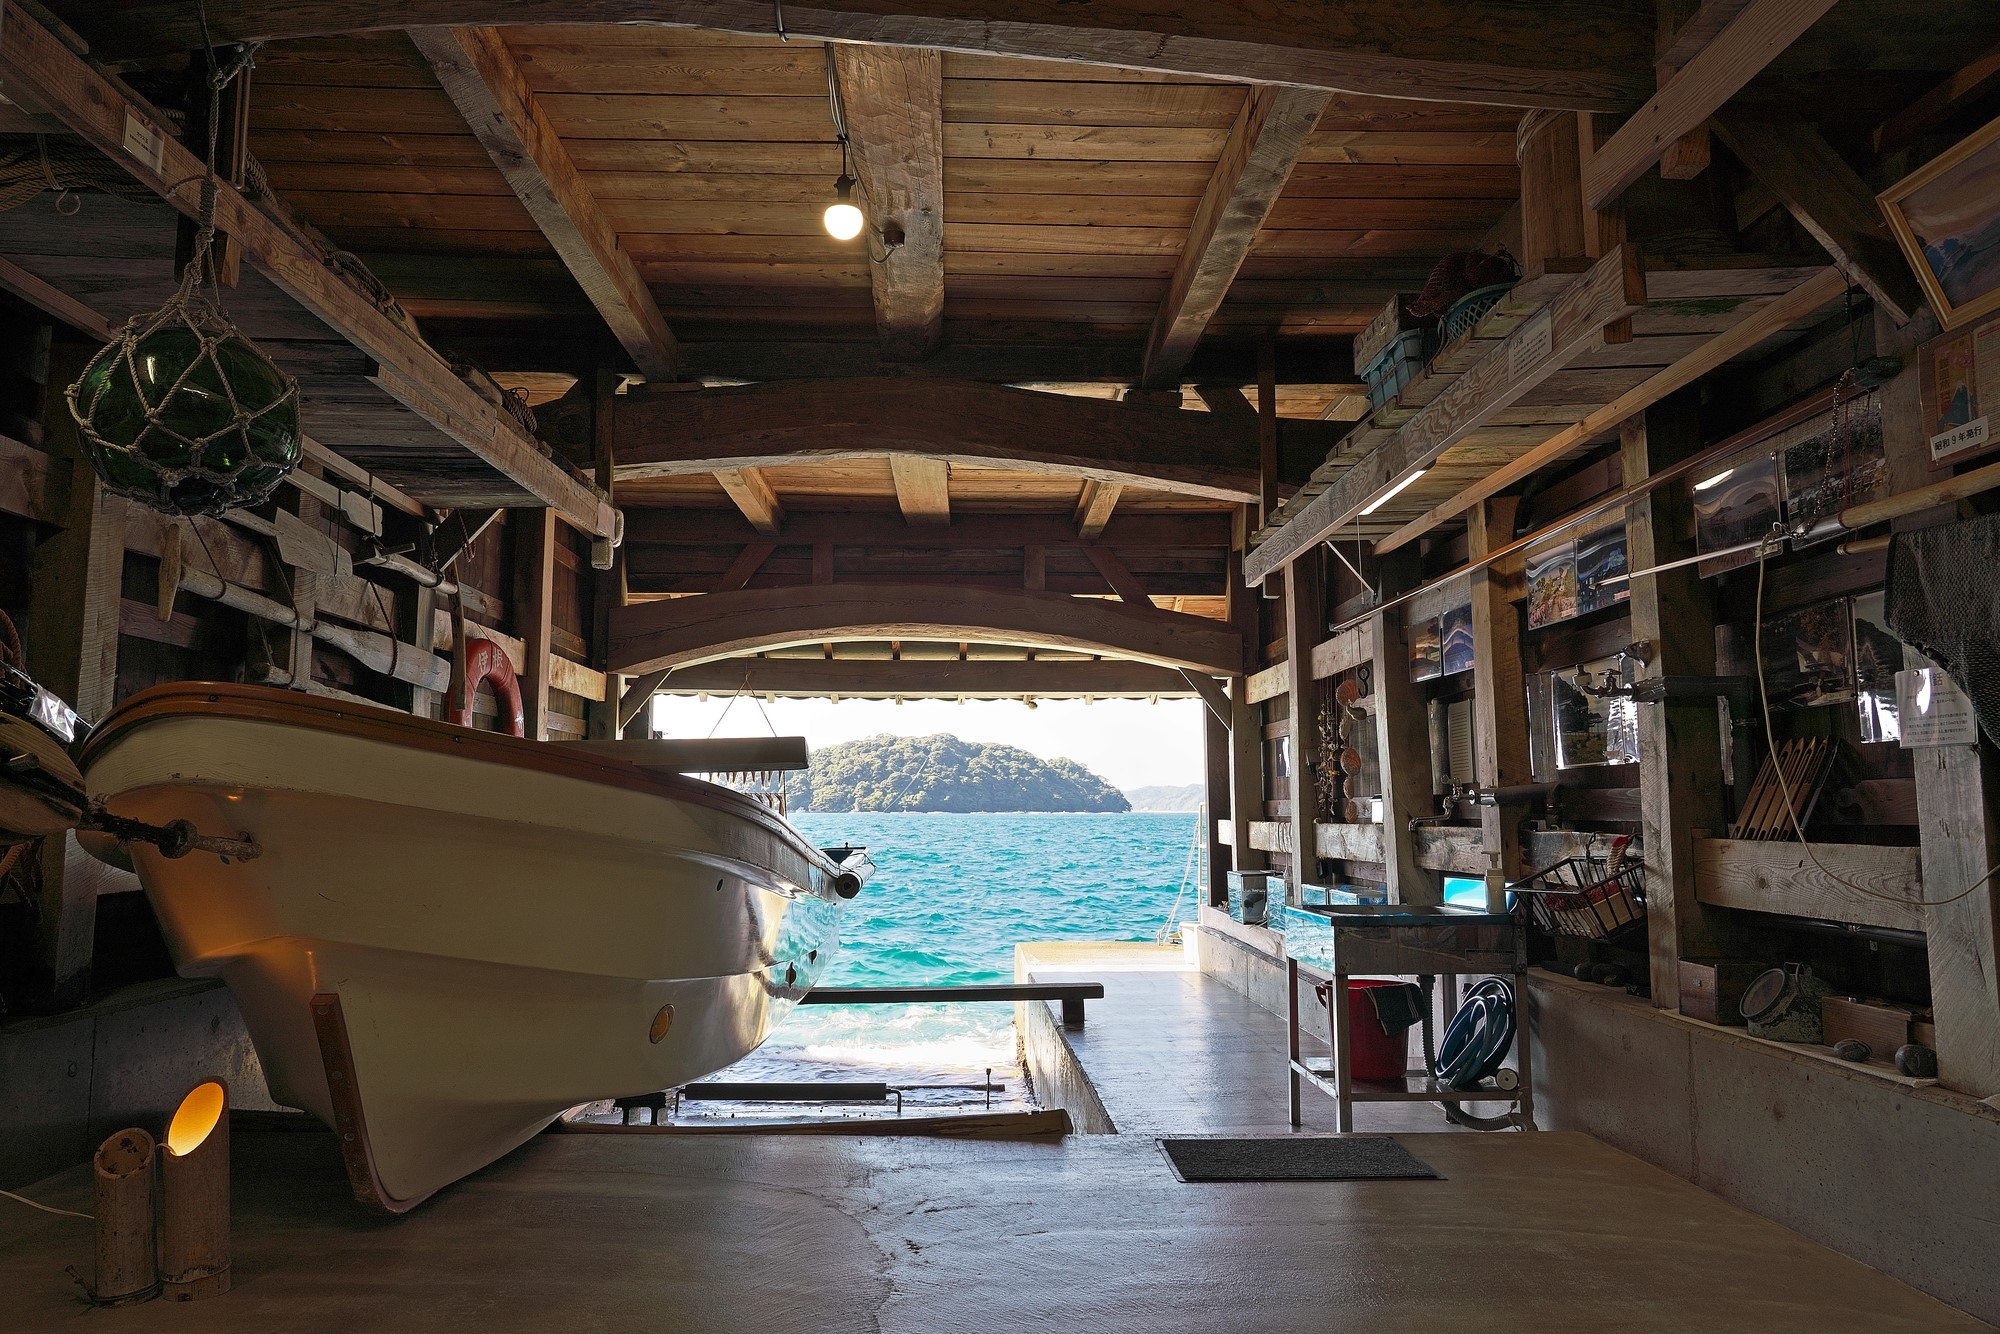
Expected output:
(843, 219)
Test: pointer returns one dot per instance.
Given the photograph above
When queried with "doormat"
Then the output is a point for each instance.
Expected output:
(1295, 1158)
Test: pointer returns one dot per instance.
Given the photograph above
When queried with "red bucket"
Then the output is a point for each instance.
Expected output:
(1375, 1053)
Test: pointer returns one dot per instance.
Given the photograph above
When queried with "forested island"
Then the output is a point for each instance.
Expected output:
(943, 773)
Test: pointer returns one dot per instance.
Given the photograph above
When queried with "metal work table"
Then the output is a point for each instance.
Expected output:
(1402, 940)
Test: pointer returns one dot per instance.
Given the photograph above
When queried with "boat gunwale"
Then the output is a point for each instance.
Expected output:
(234, 701)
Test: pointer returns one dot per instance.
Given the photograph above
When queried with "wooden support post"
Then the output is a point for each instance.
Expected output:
(607, 587)
(1958, 817)
(1551, 190)
(1305, 626)
(1246, 731)
(1267, 432)
(1035, 568)
(534, 579)
(1216, 801)
(1499, 693)
(72, 647)
(1680, 741)
(1403, 744)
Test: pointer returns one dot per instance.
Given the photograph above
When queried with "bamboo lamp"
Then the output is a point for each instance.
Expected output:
(123, 1167)
(194, 1197)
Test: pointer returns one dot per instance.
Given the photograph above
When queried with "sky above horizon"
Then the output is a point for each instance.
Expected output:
(1130, 742)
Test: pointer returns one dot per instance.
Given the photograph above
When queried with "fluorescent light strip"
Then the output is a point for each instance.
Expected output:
(1392, 492)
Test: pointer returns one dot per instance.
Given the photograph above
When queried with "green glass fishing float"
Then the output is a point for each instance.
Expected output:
(181, 412)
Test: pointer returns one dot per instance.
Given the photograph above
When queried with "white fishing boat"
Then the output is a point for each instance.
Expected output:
(440, 938)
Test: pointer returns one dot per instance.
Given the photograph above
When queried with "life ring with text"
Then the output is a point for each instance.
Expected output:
(487, 661)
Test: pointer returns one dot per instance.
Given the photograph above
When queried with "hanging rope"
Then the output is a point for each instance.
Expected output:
(181, 411)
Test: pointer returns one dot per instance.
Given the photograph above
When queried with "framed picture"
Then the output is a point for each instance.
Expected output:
(1832, 461)
(1958, 387)
(1601, 569)
(1736, 505)
(1426, 650)
(1946, 216)
(1551, 585)
(1809, 656)
(1455, 636)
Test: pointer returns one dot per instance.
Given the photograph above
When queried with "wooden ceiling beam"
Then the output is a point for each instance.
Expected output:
(1256, 161)
(923, 490)
(851, 679)
(1708, 78)
(1577, 54)
(669, 528)
(1117, 574)
(681, 632)
(754, 496)
(39, 69)
(768, 425)
(1094, 506)
(481, 77)
(1829, 200)
(893, 98)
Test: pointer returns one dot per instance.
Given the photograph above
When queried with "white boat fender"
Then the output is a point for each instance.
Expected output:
(853, 868)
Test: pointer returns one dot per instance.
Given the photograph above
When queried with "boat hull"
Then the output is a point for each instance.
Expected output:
(504, 940)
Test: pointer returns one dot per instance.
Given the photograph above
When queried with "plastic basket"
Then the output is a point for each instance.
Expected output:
(1395, 366)
(1593, 898)
(1469, 309)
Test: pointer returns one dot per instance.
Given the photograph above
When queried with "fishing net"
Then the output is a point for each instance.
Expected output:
(181, 412)
(1944, 602)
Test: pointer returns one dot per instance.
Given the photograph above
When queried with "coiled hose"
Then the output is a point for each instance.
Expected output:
(1455, 1113)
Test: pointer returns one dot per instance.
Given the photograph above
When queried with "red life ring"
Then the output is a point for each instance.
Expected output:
(487, 661)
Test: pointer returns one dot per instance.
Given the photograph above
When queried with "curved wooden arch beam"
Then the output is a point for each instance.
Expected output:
(1577, 54)
(680, 632)
(993, 426)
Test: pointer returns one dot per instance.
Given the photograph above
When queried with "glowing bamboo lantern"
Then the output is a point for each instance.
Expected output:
(123, 1168)
(194, 1197)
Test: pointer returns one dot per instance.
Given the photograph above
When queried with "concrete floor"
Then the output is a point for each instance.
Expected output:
(829, 1235)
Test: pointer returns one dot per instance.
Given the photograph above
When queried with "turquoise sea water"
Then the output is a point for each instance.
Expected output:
(951, 897)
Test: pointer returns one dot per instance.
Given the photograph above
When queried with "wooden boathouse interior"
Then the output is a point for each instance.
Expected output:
(1093, 407)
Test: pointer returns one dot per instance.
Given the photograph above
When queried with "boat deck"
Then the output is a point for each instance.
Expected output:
(836, 1234)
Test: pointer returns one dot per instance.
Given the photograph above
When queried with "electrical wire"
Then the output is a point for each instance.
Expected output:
(47, 1208)
(1764, 550)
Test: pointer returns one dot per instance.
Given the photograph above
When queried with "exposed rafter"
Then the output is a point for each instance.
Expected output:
(646, 526)
(481, 77)
(38, 69)
(923, 490)
(1256, 161)
(1559, 53)
(1094, 507)
(893, 98)
(754, 496)
(766, 425)
(915, 679)
(680, 632)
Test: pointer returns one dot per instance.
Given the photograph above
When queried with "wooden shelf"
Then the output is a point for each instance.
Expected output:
(1778, 877)
(1538, 371)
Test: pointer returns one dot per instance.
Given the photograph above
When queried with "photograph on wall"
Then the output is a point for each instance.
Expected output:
(1878, 656)
(1426, 658)
(1834, 460)
(1593, 729)
(1551, 585)
(1959, 373)
(1455, 636)
(1735, 505)
(1946, 216)
(1601, 567)
(1809, 656)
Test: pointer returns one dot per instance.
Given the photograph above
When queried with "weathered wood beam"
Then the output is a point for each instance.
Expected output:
(754, 496)
(481, 77)
(1801, 301)
(1829, 200)
(1212, 695)
(1911, 123)
(36, 67)
(1256, 161)
(745, 565)
(679, 632)
(1706, 80)
(696, 528)
(1565, 53)
(1499, 694)
(980, 679)
(992, 426)
(534, 603)
(894, 100)
(923, 490)
(1686, 27)
(1123, 582)
(1246, 721)
(1305, 622)
(1613, 289)
(1094, 505)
